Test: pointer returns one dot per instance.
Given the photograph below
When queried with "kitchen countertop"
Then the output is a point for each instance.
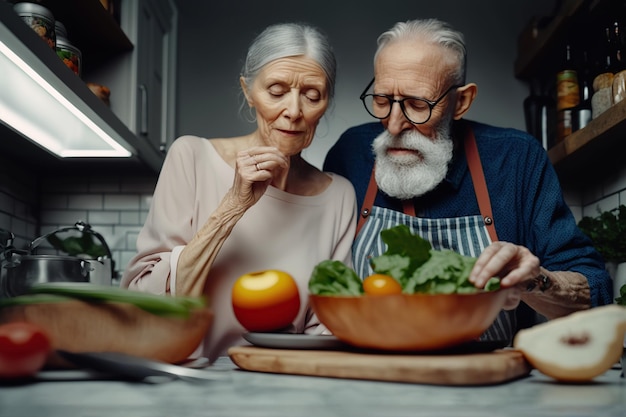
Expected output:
(242, 393)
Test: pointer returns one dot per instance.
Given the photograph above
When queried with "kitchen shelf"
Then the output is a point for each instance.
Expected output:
(91, 28)
(539, 50)
(590, 154)
(13, 146)
(594, 151)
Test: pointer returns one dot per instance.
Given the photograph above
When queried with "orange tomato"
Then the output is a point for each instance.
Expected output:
(380, 284)
(265, 301)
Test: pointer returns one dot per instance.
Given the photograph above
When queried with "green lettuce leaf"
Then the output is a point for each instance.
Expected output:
(334, 278)
(411, 260)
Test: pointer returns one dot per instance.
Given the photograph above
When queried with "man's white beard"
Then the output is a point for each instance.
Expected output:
(409, 176)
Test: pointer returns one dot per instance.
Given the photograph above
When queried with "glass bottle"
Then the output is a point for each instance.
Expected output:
(619, 80)
(567, 93)
(539, 113)
(602, 97)
(582, 113)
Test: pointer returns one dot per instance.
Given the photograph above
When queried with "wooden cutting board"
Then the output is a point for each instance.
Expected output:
(457, 369)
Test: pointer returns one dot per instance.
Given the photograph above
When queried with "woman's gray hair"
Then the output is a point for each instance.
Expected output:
(431, 30)
(290, 39)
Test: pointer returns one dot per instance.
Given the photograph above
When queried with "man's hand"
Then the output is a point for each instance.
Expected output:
(515, 265)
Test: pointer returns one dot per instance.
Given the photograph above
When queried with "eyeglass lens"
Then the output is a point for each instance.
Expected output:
(415, 109)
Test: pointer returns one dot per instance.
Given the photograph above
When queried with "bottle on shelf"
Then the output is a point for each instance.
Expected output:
(619, 79)
(539, 114)
(582, 113)
(567, 92)
(602, 97)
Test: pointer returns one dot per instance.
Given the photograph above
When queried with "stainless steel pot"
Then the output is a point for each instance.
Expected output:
(101, 269)
(22, 271)
(22, 268)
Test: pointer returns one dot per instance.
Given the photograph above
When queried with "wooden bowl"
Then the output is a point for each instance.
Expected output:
(402, 322)
(80, 326)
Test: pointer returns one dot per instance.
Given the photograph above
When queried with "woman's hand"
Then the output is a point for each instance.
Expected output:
(255, 169)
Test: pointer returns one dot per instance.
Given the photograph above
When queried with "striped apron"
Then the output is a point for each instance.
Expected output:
(468, 235)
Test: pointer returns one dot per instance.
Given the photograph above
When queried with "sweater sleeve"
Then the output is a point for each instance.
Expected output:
(168, 224)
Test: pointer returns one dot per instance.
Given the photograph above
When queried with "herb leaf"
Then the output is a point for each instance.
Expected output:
(411, 260)
(333, 278)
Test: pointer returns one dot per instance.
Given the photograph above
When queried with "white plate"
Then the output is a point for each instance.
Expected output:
(293, 341)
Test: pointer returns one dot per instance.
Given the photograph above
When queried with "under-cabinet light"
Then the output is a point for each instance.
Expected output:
(36, 109)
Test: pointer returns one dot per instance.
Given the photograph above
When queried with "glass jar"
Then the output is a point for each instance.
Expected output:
(602, 97)
(69, 54)
(40, 19)
(619, 87)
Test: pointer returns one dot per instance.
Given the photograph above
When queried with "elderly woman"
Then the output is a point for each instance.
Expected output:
(228, 206)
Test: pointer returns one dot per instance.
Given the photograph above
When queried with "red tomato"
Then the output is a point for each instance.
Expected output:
(266, 300)
(380, 284)
(24, 349)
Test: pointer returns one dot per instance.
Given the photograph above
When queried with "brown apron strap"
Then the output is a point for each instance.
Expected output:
(368, 202)
(409, 208)
(478, 178)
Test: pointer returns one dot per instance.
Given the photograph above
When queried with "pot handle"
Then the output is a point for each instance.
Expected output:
(6, 238)
(81, 227)
(85, 268)
(35, 243)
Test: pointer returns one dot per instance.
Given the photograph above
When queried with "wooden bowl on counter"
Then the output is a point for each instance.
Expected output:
(79, 326)
(408, 322)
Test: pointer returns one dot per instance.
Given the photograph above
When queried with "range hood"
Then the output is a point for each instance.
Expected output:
(46, 103)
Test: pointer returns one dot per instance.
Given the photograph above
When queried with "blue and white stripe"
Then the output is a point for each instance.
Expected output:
(465, 235)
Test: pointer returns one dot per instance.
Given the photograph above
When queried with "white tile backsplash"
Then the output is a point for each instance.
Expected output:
(85, 201)
(55, 201)
(121, 201)
(101, 217)
(129, 217)
(62, 217)
(115, 208)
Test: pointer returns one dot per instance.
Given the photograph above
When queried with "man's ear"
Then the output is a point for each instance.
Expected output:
(464, 97)
(244, 88)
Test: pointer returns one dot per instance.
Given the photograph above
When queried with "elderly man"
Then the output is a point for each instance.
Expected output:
(477, 189)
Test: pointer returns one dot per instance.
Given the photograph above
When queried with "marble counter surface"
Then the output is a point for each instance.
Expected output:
(241, 393)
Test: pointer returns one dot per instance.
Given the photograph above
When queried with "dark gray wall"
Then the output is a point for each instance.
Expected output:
(214, 35)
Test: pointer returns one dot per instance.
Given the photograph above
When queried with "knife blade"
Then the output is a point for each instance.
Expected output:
(137, 368)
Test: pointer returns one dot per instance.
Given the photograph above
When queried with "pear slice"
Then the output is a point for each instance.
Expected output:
(577, 347)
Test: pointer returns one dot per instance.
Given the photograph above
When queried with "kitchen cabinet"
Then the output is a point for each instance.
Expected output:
(146, 102)
(154, 55)
(120, 55)
(596, 150)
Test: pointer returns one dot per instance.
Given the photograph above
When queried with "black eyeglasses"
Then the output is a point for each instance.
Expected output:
(416, 110)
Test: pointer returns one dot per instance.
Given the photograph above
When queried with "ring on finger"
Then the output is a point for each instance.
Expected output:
(257, 167)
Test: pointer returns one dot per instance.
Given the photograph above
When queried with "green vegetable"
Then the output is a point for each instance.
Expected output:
(78, 245)
(161, 305)
(32, 299)
(621, 300)
(411, 261)
(333, 278)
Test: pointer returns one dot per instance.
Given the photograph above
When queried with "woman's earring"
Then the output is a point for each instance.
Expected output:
(251, 116)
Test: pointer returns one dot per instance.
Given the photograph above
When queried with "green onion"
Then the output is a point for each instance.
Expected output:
(32, 299)
(161, 305)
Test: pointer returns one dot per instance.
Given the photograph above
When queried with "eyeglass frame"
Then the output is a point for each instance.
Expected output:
(431, 104)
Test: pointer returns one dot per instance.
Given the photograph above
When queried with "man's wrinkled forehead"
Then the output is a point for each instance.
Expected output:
(421, 68)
